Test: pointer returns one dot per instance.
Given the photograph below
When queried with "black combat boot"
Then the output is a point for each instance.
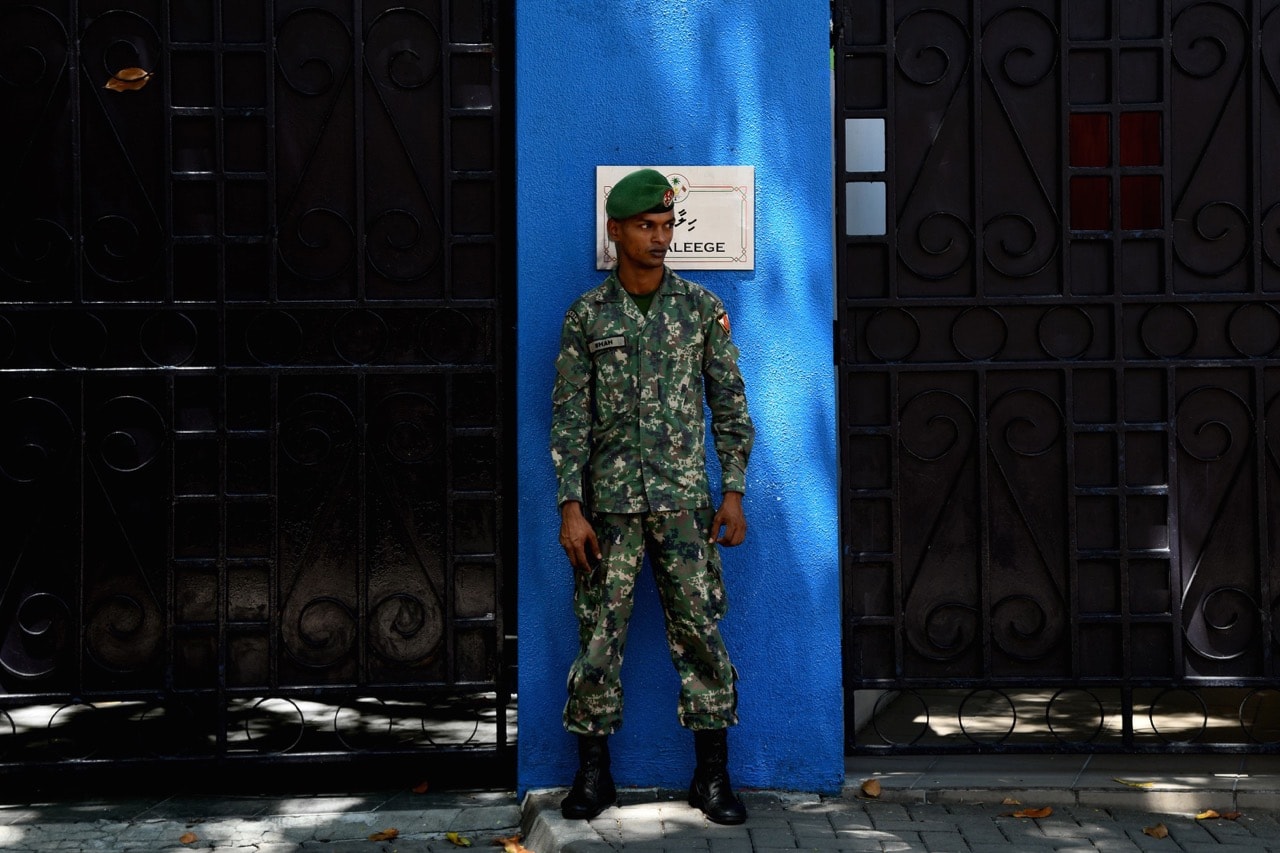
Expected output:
(592, 790)
(710, 789)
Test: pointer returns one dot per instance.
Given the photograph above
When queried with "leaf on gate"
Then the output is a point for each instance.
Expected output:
(385, 835)
(128, 80)
(1031, 813)
(1010, 801)
(511, 844)
(871, 788)
(421, 787)
(1132, 784)
(1207, 814)
(458, 840)
(1157, 831)
(188, 838)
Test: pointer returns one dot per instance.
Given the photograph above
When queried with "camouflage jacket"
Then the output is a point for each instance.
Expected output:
(627, 407)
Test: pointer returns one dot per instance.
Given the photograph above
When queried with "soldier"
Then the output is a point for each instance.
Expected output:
(637, 354)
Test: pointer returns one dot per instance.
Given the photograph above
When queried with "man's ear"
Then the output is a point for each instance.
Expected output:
(612, 227)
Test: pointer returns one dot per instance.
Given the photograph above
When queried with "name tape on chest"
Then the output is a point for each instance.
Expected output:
(616, 342)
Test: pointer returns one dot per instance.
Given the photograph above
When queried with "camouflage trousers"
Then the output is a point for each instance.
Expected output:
(686, 569)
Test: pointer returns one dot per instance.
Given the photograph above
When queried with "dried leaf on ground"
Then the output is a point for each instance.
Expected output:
(188, 838)
(458, 840)
(385, 835)
(1010, 801)
(1232, 815)
(1134, 784)
(511, 844)
(421, 787)
(1031, 813)
(1157, 831)
(871, 788)
(128, 80)
(1207, 814)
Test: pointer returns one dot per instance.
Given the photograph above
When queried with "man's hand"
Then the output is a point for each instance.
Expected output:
(731, 519)
(578, 538)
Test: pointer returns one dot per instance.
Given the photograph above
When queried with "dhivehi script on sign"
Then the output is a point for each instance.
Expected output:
(715, 216)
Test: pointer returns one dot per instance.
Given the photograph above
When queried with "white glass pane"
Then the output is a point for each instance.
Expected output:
(864, 145)
(864, 208)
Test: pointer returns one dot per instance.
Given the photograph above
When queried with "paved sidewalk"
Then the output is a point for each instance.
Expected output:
(260, 824)
(926, 803)
(836, 825)
(956, 803)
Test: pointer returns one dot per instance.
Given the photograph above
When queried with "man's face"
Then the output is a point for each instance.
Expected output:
(643, 239)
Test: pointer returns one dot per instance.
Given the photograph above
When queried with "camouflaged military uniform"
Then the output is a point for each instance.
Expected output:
(627, 440)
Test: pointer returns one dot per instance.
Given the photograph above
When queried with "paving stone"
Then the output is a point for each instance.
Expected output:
(772, 837)
(818, 807)
(1115, 845)
(910, 839)
(582, 846)
(1148, 842)
(673, 845)
(1262, 825)
(859, 845)
(774, 820)
(944, 842)
(1020, 830)
(739, 844)
(825, 844)
(849, 820)
(980, 829)
(719, 830)
(909, 825)
(887, 811)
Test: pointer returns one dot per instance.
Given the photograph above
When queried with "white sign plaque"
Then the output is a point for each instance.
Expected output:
(715, 216)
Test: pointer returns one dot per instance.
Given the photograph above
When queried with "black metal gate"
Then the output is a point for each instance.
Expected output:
(254, 259)
(1059, 255)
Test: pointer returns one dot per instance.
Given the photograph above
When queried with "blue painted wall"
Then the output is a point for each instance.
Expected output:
(701, 82)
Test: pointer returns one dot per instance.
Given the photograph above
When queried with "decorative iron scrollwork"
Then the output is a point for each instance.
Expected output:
(1211, 231)
(938, 431)
(1019, 55)
(1220, 612)
(933, 54)
(124, 234)
(313, 52)
(1028, 609)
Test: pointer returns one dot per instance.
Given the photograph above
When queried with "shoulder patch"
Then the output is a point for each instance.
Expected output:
(724, 322)
(602, 344)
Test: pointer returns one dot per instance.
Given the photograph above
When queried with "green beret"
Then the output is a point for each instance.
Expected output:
(642, 191)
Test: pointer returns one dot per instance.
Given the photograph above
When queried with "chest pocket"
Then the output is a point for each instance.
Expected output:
(683, 382)
(681, 367)
(614, 370)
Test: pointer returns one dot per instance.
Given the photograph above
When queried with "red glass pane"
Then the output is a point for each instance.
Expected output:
(1090, 139)
(1090, 204)
(1140, 139)
(1141, 205)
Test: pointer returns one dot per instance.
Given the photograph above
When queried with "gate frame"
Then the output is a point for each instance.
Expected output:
(852, 56)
